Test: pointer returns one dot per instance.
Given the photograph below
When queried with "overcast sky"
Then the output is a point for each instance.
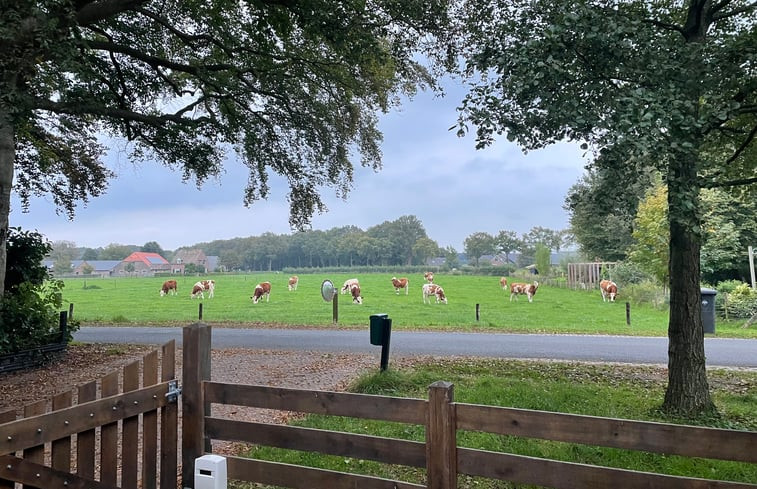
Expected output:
(429, 172)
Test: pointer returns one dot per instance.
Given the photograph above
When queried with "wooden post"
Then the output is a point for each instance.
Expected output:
(441, 442)
(628, 313)
(199, 318)
(751, 266)
(478, 312)
(335, 308)
(71, 311)
(195, 369)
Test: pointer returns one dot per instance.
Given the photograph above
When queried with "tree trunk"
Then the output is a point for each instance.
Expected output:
(7, 159)
(688, 391)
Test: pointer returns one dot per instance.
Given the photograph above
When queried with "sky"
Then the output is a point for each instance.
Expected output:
(428, 172)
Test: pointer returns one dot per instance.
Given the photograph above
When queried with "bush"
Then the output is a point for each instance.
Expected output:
(29, 317)
(738, 299)
(626, 273)
(29, 309)
(647, 292)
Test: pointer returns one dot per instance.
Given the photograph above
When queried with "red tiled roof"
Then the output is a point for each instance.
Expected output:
(148, 259)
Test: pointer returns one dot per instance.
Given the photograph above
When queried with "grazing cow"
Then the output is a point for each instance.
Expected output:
(209, 286)
(198, 290)
(293, 281)
(261, 289)
(529, 290)
(348, 285)
(400, 283)
(169, 287)
(609, 290)
(503, 282)
(435, 290)
(355, 292)
(429, 276)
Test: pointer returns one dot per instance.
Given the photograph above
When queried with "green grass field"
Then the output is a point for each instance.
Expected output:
(136, 301)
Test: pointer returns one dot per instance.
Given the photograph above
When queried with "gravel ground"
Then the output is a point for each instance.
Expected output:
(83, 363)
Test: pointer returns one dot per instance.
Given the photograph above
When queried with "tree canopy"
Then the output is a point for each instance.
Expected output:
(293, 87)
(671, 84)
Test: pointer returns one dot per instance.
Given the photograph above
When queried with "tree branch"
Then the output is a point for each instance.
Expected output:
(94, 12)
(743, 146)
(723, 15)
(731, 183)
(78, 108)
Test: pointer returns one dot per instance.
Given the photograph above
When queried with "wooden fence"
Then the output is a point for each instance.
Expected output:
(440, 456)
(115, 434)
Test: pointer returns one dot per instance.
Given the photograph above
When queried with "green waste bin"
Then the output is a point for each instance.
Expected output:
(708, 309)
(378, 325)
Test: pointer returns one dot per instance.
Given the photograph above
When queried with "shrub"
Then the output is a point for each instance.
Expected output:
(738, 299)
(647, 292)
(627, 273)
(29, 316)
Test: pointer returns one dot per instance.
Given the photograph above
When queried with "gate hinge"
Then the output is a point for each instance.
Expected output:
(174, 391)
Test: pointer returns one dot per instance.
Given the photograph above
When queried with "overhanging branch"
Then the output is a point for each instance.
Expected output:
(77, 108)
(94, 12)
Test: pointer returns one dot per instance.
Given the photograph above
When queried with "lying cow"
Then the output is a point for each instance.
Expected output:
(355, 292)
(261, 289)
(529, 290)
(503, 282)
(400, 283)
(169, 287)
(429, 276)
(609, 290)
(348, 285)
(293, 281)
(435, 290)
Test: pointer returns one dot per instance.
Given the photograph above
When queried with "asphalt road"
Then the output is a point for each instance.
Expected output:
(724, 352)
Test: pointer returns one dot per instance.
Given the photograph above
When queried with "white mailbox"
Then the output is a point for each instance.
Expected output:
(210, 472)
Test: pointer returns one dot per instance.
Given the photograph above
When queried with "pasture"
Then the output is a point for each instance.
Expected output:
(137, 301)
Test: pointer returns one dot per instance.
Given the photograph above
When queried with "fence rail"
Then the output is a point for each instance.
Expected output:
(62, 443)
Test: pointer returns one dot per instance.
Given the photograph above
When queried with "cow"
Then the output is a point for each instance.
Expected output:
(348, 285)
(293, 281)
(169, 287)
(355, 292)
(529, 290)
(209, 286)
(400, 283)
(198, 290)
(609, 290)
(503, 282)
(435, 290)
(261, 289)
(429, 276)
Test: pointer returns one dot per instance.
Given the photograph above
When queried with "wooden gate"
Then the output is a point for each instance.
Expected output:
(110, 433)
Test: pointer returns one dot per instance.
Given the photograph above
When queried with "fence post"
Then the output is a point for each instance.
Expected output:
(441, 442)
(195, 369)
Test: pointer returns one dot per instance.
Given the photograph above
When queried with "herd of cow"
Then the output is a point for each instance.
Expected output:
(608, 288)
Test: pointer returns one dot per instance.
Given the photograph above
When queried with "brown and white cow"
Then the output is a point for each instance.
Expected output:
(609, 290)
(209, 286)
(429, 276)
(169, 287)
(261, 289)
(400, 283)
(198, 290)
(355, 292)
(503, 282)
(435, 290)
(293, 281)
(348, 285)
(529, 290)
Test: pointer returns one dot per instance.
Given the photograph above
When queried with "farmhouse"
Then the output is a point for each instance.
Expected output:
(142, 264)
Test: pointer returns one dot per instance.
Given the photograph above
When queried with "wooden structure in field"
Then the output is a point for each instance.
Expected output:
(588, 275)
